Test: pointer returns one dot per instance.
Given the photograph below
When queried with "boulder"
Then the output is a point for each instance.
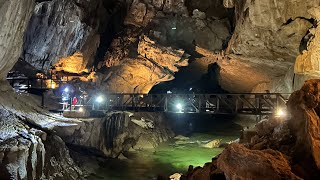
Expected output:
(304, 125)
(238, 162)
(116, 133)
(207, 172)
(196, 14)
(181, 138)
(213, 144)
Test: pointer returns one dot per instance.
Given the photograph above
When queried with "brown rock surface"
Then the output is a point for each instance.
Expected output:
(238, 162)
(304, 124)
(154, 64)
(72, 64)
(272, 28)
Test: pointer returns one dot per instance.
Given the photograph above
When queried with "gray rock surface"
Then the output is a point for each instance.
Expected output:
(28, 153)
(117, 133)
(14, 17)
(60, 28)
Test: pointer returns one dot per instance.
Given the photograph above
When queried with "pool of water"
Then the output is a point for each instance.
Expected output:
(167, 159)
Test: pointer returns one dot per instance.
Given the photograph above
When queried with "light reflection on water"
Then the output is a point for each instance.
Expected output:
(167, 159)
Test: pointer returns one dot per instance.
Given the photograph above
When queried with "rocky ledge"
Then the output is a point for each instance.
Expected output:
(118, 132)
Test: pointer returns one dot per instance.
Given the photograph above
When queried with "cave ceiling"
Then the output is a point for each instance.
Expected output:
(253, 42)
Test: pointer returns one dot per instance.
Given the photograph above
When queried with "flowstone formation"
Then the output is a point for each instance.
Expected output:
(279, 149)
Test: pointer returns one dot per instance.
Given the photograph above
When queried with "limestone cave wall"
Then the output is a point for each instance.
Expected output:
(14, 17)
(255, 43)
(60, 28)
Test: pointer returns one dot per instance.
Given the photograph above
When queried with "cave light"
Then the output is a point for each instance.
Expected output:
(81, 109)
(179, 106)
(53, 86)
(99, 99)
(174, 28)
(280, 113)
(66, 89)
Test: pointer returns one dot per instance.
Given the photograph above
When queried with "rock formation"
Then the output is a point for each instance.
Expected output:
(279, 148)
(118, 132)
(153, 65)
(14, 17)
(304, 107)
(26, 152)
(238, 162)
(60, 28)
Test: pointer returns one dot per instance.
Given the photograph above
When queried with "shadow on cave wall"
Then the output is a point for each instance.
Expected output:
(190, 80)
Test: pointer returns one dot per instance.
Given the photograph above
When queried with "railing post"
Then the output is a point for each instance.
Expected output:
(42, 100)
(199, 108)
(166, 103)
(236, 105)
(218, 104)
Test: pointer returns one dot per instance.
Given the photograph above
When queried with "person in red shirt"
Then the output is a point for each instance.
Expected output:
(74, 102)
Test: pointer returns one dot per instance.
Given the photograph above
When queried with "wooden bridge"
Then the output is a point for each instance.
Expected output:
(246, 103)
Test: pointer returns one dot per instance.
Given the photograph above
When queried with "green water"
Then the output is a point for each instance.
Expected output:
(167, 159)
